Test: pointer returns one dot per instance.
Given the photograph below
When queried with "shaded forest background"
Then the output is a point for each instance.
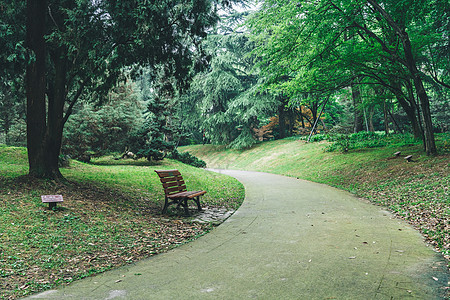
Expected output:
(279, 69)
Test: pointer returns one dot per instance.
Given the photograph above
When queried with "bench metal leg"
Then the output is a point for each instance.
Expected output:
(166, 204)
(197, 200)
(186, 208)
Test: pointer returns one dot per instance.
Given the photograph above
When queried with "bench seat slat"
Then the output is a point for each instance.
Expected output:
(188, 194)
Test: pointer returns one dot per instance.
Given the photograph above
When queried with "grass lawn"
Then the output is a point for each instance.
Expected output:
(416, 191)
(110, 217)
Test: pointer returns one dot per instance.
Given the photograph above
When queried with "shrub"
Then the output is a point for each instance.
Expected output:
(318, 137)
(187, 158)
(341, 142)
(363, 139)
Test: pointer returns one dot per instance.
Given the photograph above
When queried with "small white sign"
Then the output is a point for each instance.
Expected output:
(51, 198)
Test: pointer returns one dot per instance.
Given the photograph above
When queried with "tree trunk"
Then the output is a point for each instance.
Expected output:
(358, 118)
(44, 128)
(313, 108)
(430, 145)
(282, 121)
(291, 121)
(371, 113)
(386, 121)
(301, 117)
(408, 107)
(35, 89)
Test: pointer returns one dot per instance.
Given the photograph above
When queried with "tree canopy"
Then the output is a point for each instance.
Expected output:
(194, 71)
(77, 48)
(325, 45)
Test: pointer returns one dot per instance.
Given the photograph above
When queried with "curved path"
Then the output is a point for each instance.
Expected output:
(291, 239)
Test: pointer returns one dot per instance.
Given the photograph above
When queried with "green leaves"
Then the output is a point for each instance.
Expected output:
(228, 102)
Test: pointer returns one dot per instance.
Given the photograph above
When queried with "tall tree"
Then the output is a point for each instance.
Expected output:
(229, 104)
(335, 43)
(83, 46)
(38, 143)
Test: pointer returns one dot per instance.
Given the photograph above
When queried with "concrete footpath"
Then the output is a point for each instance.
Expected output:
(291, 239)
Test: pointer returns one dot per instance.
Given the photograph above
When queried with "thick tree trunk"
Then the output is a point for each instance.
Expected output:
(35, 88)
(56, 100)
(44, 128)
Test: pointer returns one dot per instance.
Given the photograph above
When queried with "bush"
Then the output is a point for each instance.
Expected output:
(363, 139)
(187, 158)
(318, 137)
(341, 142)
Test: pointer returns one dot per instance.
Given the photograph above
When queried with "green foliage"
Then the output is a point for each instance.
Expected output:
(12, 110)
(317, 137)
(13, 55)
(224, 102)
(89, 45)
(94, 131)
(187, 158)
(366, 139)
(158, 134)
(322, 47)
(341, 142)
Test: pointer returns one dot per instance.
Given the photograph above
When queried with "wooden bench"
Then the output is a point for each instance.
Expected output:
(175, 190)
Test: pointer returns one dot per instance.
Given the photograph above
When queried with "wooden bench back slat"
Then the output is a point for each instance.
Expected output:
(173, 183)
(168, 173)
(174, 190)
(171, 179)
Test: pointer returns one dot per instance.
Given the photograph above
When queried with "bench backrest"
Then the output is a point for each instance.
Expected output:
(172, 181)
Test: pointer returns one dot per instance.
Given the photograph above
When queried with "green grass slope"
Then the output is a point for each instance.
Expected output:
(417, 191)
(110, 217)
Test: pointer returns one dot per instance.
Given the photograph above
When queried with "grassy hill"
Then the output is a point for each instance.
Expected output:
(110, 217)
(416, 191)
